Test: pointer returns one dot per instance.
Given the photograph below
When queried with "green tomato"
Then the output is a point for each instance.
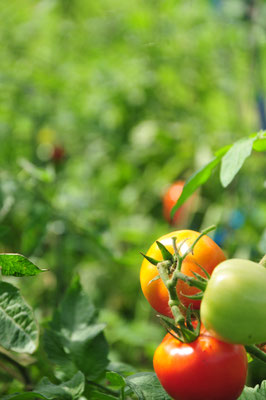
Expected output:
(233, 308)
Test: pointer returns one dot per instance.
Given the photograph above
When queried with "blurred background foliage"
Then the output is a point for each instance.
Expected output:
(103, 105)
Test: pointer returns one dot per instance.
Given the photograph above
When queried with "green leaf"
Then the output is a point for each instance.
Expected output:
(74, 340)
(233, 160)
(19, 331)
(115, 379)
(24, 396)
(199, 178)
(260, 141)
(18, 265)
(70, 390)
(256, 393)
(121, 368)
(146, 386)
(95, 395)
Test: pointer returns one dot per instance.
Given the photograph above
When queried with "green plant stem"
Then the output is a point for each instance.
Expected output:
(103, 388)
(22, 370)
(170, 284)
(123, 394)
(256, 352)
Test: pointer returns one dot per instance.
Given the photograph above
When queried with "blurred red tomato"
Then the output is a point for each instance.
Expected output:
(58, 154)
(169, 200)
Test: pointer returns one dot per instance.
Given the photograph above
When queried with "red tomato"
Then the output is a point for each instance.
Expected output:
(206, 369)
(58, 154)
(169, 200)
(206, 253)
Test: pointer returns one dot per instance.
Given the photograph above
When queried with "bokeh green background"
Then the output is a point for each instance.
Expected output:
(137, 94)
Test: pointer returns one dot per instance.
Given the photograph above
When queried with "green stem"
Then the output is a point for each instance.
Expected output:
(103, 388)
(256, 352)
(123, 394)
(170, 284)
(190, 280)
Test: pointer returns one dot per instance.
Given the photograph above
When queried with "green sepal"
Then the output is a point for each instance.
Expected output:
(156, 278)
(165, 253)
(203, 270)
(183, 334)
(169, 325)
(150, 259)
(199, 277)
(188, 335)
(197, 296)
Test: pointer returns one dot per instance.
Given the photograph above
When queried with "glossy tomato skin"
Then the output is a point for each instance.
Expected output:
(169, 200)
(206, 369)
(234, 304)
(206, 253)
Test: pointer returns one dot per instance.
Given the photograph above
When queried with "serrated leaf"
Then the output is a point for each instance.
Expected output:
(70, 390)
(146, 386)
(78, 342)
(12, 264)
(115, 379)
(18, 329)
(199, 178)
(233, 160)
(256, 393)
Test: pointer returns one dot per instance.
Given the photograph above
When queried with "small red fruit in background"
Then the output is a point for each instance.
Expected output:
(169, 200)
(58, 154)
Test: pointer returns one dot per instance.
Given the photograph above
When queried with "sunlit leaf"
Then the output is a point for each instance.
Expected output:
(18, 329)
(18, 265)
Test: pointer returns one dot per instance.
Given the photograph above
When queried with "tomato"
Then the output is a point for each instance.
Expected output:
(206, 253)
(234, 303)
(206, 369)
(169, 200)
(58, 154)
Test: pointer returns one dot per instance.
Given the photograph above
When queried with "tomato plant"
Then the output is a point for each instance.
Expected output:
(206, 369)
(206, 254)
(234, 303)
(169, 200)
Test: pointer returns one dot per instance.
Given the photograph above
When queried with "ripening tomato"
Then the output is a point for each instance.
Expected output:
(58, 154)
(233, 308)
(169, 200)
(206, 369)
(206, 254)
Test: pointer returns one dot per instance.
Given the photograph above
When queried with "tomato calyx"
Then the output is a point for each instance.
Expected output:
(185, 331)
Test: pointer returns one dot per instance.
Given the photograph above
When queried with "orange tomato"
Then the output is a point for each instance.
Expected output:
(169, 200)
(206, 254)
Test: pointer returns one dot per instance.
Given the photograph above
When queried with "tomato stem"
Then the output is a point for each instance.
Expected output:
(256, 352)
(170, 284)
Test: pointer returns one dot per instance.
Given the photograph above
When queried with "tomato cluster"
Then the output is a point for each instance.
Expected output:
(206, 254)
(212, 365)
